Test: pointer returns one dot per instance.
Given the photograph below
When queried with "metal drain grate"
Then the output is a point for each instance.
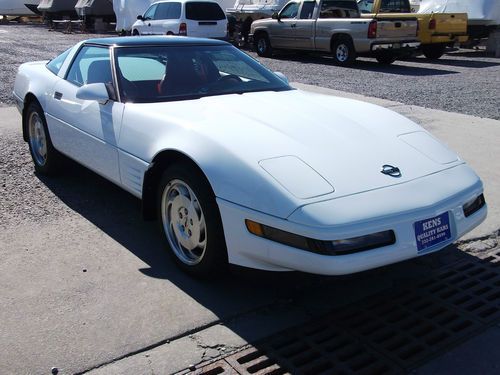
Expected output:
(392, 332)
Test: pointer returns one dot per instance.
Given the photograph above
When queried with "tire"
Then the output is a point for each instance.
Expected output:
(386, 58)
(263, 45)
(46, 158)
(190, 221)
(135, 32)
(343, 51)
(433, 51)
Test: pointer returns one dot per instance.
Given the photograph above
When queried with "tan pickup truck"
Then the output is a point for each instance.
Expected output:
(435, 30)
(334, 26)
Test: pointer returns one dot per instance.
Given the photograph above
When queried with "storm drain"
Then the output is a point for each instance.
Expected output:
(392, 332)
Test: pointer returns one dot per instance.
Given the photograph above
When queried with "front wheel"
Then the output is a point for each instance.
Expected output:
(262, 45)
(343, 51)
(190, 221)
(386, 58)
(135, 32)
(46, 158)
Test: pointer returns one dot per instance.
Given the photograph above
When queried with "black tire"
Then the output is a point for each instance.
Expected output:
(343, 51)
(262, 45)
(135, 32)
(180, 225)
(433, 51)
(46, 159)
(386, 58)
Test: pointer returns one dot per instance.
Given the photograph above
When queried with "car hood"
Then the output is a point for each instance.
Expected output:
(276, 151)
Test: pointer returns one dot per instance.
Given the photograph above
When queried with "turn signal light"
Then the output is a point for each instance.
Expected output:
(183, 30)
(334, 247)
(473, 206)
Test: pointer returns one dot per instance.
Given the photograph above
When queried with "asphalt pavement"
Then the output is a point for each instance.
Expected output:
(86, 286)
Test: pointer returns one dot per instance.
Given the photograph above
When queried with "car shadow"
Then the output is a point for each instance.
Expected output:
(364, 64)
(448, 60)
(242, 291)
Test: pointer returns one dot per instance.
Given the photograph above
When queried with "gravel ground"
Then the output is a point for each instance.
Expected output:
(464, 81)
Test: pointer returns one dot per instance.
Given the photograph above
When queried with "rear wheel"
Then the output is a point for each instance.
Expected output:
(343, 51)
(433, 51)
(46, 158)
(135, 32)
(386, 58)
(190, 221)
(262, 45)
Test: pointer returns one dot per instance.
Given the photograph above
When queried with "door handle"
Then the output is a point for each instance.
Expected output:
(149, 24)
(58, 95)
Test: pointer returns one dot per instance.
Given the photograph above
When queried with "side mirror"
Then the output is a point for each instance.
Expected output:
(282, 77)
(275, 16)
(140, 17)
(93, 91)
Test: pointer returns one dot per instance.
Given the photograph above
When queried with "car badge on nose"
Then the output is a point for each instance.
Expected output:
(390, 170)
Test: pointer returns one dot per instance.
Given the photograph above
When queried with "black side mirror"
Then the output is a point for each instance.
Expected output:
(275, 16)
(140, 17)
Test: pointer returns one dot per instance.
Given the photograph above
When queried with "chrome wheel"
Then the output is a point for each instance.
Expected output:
(184, 222)
(342, 52)
(37, 138)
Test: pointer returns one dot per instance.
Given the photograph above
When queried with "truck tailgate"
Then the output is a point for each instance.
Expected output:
(450, 23)
(390, 27)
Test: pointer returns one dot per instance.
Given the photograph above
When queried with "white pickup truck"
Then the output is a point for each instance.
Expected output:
(334, 26)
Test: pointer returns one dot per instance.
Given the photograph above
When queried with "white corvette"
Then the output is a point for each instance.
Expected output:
(239, 167)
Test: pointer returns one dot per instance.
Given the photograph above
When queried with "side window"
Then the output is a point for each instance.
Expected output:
(365, 6)
(290, 11)
(55, 64)
(307, 10)
(395, 6)
(150, 13)
(174, 11)
(339, 9)
(91, 65)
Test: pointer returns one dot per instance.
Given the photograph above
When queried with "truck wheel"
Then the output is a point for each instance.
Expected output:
(262, 45)
(343, 51)
(433, 51)
(386, 58)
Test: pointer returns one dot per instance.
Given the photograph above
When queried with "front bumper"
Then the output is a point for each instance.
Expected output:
(248, 250)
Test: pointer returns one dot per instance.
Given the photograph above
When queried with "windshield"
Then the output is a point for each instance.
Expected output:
(166, 73)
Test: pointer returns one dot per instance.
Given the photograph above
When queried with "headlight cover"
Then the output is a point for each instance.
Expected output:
(333, 247)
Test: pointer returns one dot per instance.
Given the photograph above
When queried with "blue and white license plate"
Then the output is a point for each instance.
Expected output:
(432, 231)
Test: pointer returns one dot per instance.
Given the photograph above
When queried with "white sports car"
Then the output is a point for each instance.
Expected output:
(239, 167)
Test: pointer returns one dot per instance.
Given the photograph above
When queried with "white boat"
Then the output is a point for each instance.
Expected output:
(17, 7)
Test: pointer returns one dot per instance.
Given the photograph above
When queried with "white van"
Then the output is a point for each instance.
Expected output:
(196, 18)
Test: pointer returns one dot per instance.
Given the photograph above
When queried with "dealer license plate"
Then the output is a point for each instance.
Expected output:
(432, 231)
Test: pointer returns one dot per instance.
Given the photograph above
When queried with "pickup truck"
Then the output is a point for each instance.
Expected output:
(334, 26)
(435, 30)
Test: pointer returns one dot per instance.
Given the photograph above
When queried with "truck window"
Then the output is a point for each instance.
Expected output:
(290, 11)
(339, 9)
(365, 6)
(395, 6)
(307, 10)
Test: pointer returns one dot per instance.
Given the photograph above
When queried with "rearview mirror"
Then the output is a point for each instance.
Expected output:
(282, 77)
(140, 17)
(93, 91)
(275, 16)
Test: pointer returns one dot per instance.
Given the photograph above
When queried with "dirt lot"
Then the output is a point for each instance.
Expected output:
(85, 283)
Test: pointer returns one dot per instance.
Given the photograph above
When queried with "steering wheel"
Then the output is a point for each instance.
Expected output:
(229, 77)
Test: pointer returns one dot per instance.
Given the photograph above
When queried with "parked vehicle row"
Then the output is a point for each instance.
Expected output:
(335, 26)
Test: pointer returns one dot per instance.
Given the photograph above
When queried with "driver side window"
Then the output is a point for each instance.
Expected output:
(91, 65)
(150, 13)
(290, 11)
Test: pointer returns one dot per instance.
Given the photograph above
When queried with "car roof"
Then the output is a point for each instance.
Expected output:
(138, 41)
